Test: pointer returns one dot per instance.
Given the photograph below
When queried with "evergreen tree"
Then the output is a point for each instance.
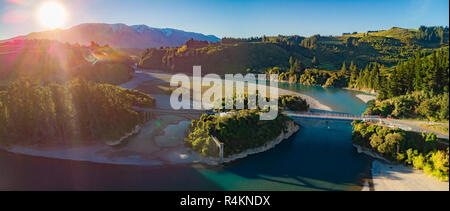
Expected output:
(353, 75)
(315, 62)
(344, 67)
(291, 65)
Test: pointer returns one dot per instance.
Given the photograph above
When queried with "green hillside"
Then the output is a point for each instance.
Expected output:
(258, 54)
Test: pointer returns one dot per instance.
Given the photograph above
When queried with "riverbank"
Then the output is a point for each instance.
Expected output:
(365, 95)
(312, 102)
(153, 146)
(366, 98)
(366, 91)
(160, 76)
(292, 128)
(387, 176)
(158, 142)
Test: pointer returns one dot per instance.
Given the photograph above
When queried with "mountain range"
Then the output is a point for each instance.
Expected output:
(120, 35)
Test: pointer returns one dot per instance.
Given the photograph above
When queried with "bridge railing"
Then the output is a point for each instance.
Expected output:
(161, 110)
(305, 114)
(338, 115)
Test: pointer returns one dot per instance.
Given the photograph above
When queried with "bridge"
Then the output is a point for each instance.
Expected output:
(330, 116)
(150, 112)
(172, 111)
(294, 115)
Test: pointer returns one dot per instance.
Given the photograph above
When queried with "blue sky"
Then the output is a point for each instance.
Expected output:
(235, 18)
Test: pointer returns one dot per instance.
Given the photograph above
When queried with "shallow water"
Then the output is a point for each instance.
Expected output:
(340, 100)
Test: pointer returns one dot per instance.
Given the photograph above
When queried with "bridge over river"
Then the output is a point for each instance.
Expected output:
(172, 111)
(404, 125)
(330, 116)
(294, 115)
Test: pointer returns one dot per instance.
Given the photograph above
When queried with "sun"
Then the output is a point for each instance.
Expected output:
(52, 15)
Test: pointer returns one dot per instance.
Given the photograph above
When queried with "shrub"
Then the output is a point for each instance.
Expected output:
(398, 146)
(376, 141)
(292, 103)
(419, 161)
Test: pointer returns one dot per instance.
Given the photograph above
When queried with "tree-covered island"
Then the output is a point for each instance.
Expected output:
(242, 131)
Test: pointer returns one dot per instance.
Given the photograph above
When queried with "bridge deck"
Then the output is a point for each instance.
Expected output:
(329, 116)
(171, 111)
(296, 115)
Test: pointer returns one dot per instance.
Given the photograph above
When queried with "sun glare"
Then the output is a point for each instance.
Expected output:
(52, 15)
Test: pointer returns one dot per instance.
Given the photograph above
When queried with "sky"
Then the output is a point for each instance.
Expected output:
(234, 18)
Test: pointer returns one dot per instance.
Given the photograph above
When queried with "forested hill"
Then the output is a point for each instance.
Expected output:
(321, 52)
(415, 88)
(58, 92)
(48, 61)
(70, 112)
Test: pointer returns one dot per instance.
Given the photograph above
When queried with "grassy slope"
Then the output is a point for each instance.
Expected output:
(395, 32)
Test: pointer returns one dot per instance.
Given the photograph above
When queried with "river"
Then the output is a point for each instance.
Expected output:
(339, 100)
(319, 157)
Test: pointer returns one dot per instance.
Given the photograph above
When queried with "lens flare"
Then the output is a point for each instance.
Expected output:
(52, 15)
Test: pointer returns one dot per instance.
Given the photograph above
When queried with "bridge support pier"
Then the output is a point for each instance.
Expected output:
(220, 146)
(147, 116)
(221, 152)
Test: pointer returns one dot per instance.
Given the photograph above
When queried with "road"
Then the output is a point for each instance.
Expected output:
(412, 125)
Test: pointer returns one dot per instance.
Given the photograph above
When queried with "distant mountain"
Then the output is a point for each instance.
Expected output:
(120, 35)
